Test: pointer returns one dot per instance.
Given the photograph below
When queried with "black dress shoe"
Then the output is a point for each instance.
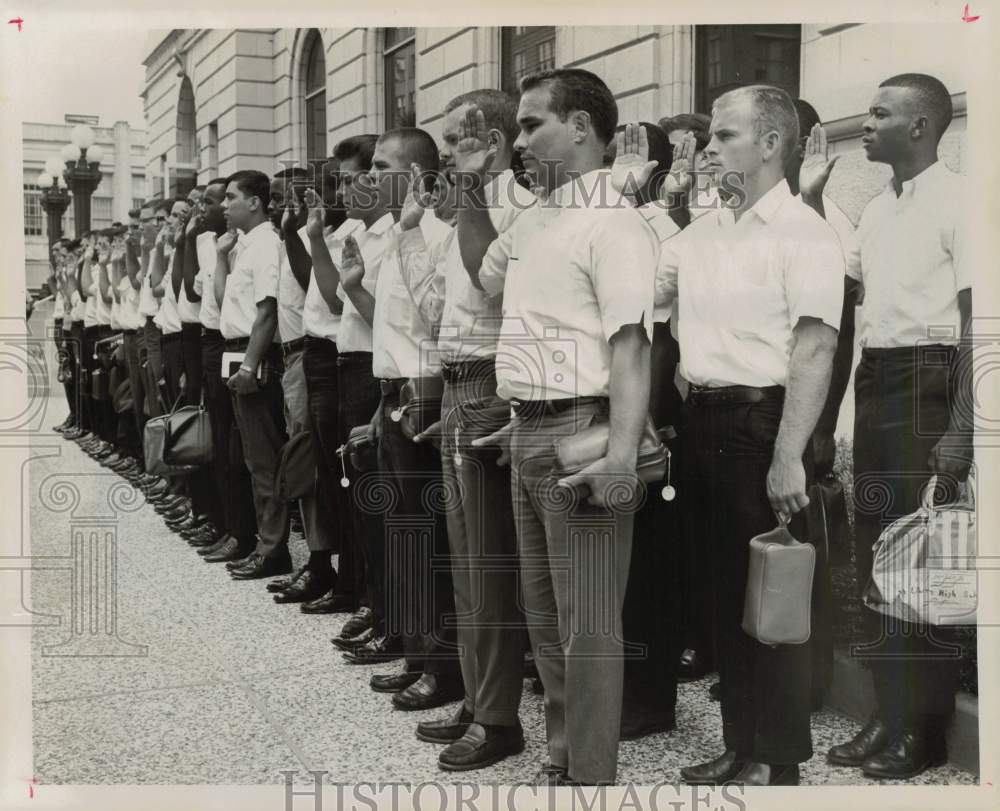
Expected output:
(283, 583)
(352, 643)
(358, 622)
(210, 550)
(393, 682)
(550, 775)
(767, 774)
(445, 730)
(638, 723)
(308, 587)
(193, 522)
(239, 563)
(905, 756)
(721, 770)
(111, 459)
(427, 692)
(176, 515)
(203, 540)
(869, 741)
(204, 530)
(328, 603)
(377, 650)
(482, 746)
(230, 550)
(260, 567)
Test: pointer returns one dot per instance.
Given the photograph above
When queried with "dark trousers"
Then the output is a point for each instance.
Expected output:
(153, 369)
(418, 589)
(483, 541)
(319, 365)
(67, 342)
(172, 353)
(231, 496)
(902, 409)
(191, 362)
(84, 347)
(358, 400)
(107, 419)
(134, 342)
(765, 690)
(261, 419)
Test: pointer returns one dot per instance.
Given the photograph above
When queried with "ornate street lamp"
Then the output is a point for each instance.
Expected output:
(55, 197)
(83, 173)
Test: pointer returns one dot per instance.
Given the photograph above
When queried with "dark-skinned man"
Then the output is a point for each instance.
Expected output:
(912, 393)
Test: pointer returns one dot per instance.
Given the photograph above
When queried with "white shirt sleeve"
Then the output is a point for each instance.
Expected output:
(624, 252)
(493, 269)
(265, 264)
(814, 276)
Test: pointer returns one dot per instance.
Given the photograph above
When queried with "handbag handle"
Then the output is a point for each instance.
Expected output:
(966, 498)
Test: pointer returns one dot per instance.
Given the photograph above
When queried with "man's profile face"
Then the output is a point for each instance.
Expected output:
(390, 173)
(211, 207)
(239, 207)
(194, 197)
(546, 141)
(734, 146)
(886, 130)
(355, 190)
(449, 137)
(279, 195)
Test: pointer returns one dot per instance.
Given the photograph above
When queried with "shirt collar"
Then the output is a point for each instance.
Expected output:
(348, 227)
(255, 233)
(765, 208)
(923, 180)
(583, 191)
(381, 225)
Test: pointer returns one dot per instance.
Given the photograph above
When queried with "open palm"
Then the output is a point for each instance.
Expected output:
(632, 167)
(815, 170)
(679, 179)
(473, 152)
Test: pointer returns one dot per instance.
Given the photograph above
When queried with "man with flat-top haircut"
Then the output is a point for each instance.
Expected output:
(913, 400)
(247, 285)
(486, 728)
(576, 276)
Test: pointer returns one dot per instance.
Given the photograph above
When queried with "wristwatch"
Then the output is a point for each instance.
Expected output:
(245, 368)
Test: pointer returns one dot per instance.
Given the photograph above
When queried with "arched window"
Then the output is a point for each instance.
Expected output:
(187, 145)
(314, 73)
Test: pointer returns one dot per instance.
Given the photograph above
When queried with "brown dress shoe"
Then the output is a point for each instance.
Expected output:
(869, 741)
(721, 770)
(445, 730)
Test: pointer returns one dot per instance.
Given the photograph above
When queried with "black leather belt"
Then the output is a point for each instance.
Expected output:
(536, 408)
(292, 346)
(354, 358)
(210, 333)
(169, 339)
(237, 344)
(128, 332)
(724, 395)
(391, 385)
(455, 371)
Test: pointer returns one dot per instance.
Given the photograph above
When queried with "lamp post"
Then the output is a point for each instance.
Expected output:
(55, 198)
(82, 173)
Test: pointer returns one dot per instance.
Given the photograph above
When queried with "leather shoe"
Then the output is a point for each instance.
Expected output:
(177, 514)
(445, 730)
(328, 603)
(202, 540)
(377, 650)
(767, 774)
(283, 583)
(232, 565)
(427, 692)
(111, 459)
(261, 566)
(215, 547)
(904, 757)
(230, 550)
(638, 724)
(352, 643)
(308, 587)
(359, 621)
(482, 746)
(393, 682)
(869, 741)
(193, 522)
(721, 770)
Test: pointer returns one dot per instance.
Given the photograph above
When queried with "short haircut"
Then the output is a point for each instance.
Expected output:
(152, 203)
(133, 213)
(357, 147)
(293, 171)
(198, 188)
(499, 109)
(253, 184)
(217, 181)
(74, 245)
(418, 145)
(696, 123)
(577, 89)
(773, 110)
(807, 115)
(933, 98)
(164, 205)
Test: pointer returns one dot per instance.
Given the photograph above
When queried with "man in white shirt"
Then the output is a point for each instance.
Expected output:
(759, 290)
(912, 395)
(400, 339)
(150, 224)
(248, 287)
(230, 509)
(486, 728)
(168, 318)
(343, 392)
(576, 275)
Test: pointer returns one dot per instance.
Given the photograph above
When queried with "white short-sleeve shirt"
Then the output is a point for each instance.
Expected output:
(167, 318)
(318, 320)
(910, 262)
(252, 278)
(204, 286)
(355, 334)
(741, 288)
(573, 271)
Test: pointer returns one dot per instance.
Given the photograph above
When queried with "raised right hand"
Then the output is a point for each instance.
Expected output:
(352, 264)
(317, 214)
(678, 181)
(473, 153)
(417, 200)
(226, 242)
(632, 167)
